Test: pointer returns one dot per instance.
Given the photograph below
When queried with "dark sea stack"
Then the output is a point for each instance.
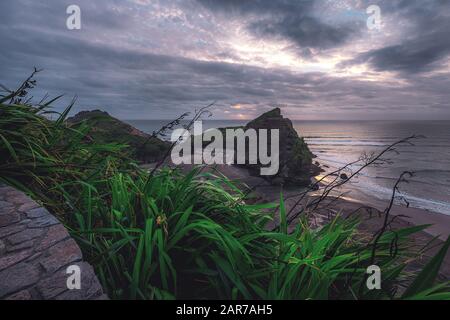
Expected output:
(296, 167)
(107, 129)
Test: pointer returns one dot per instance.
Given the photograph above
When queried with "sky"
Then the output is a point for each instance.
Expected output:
(316, 60)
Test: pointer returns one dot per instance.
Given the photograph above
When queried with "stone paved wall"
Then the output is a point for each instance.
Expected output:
(35, 251)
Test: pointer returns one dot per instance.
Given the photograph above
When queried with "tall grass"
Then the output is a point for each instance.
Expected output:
(192, 235)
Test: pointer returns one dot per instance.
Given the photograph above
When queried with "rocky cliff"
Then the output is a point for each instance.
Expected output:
(296, 167)
(107, 129)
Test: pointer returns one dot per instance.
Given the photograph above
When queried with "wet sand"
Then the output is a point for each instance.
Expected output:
(440, 223)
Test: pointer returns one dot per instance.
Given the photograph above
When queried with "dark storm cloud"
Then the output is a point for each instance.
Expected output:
(130, 83)
(258, 6)
(291, 20)
(117, 78)
(417, 55)
(102, 65)
(422, 47)
(306, 32)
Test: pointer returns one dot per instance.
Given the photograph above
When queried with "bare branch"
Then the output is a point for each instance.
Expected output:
(17, 95)
(198, 114)
(365, 161)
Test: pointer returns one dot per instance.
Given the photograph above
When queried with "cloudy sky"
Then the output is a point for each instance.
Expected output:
(149, 59)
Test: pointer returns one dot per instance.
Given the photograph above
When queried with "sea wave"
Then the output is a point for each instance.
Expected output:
(411, 180)
(372, 183)
(356, 143)
(337, 144)
(384, 193)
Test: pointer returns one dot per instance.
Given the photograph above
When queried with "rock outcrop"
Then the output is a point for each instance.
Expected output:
(107, 129)
(295, 167)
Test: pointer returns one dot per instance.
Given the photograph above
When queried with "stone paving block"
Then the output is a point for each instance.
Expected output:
(21, 246)
(6, 211)
(8, 219)
(4, 190)
(41, 222)
(37, 213)
(6, 231)
(54, 285)
(60, 255)
(90, 287)
(24, 235)
(2, 248)
(21, 295)
(89, 282)
(18, 198)
(25, 221)
(13, 193)
(11, 259)
(28, 206)
(4, 205)
(18, 278)
(54, 234)
(33, 257)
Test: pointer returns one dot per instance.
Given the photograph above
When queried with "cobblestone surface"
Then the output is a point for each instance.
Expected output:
(35, 251)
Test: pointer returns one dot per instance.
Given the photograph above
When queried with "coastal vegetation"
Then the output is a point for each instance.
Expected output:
(170, 235)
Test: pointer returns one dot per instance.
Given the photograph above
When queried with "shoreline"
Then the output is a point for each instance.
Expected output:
(355, 193)
(440, 223)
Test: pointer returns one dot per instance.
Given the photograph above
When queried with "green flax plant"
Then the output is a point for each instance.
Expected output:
(193, 235)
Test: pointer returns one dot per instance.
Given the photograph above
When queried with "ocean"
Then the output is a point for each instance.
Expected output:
(336, 143)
